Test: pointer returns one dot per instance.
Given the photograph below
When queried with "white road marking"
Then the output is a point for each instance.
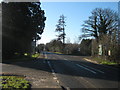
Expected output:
(67, 88)
(58, 81)
(65, 59)
(100, 64)
(86, 68)
(50, 66)
(93, 68)
(45, 56)
(55, 78)
(53, 72)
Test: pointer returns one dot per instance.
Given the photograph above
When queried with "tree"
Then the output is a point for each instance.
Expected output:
(0, 31)
(21, 22)
(104, 26)
(85, 47)
(54, 46)
(119, 23)
(61, 28)
(71, 48)
(40, 47)
(102, 21)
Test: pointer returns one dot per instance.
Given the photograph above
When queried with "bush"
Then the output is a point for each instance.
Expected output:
(14, 82)
(36, 55)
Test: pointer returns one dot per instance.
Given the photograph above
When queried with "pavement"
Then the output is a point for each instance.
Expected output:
(36, 71)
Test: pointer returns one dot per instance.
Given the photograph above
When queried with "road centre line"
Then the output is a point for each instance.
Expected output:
(53, 72)
(66, 59)
(93, 68)
(86, 68)
(50, 66)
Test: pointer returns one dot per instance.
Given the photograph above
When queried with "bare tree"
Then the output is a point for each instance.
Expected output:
(102, 21)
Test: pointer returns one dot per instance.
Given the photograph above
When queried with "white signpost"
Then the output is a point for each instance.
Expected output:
(100, 49)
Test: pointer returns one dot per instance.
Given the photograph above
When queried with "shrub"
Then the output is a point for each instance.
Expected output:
(14, 82)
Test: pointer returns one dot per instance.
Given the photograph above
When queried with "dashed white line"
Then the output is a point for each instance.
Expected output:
(55, 78)
(50, 66)
(53, 72)
(65, 59)
(86, 68)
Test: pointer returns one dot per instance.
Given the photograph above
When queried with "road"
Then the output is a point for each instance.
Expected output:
(74, 72)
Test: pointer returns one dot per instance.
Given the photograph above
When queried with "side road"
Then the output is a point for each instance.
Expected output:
(36, 71)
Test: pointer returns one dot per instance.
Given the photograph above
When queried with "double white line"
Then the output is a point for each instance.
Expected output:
(87, 67)
(93, 68)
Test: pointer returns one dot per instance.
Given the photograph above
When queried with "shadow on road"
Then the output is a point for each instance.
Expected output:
(69, 68)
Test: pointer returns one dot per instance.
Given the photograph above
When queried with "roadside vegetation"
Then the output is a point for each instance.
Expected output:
(21, 32)
(14, 82)
(35, 55)
(100, 37)
(103, 61)
(23, 58)
(104, 45)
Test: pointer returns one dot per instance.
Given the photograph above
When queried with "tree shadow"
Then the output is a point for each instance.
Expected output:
(70, 68)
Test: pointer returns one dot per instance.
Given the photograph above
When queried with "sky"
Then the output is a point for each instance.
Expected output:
(76, 13)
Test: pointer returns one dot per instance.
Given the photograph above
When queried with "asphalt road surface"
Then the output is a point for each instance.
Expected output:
(74, 72)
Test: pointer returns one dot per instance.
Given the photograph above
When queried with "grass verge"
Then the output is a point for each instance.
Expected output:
(23, 58)
(14, 82)
(35, 55)
(58, 52)
(102, 61)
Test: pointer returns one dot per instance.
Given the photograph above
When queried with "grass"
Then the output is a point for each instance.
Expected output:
(58, 52)
(23, 58)
(35, 55)
(108, 63)
(102, 61)
(14, 82)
